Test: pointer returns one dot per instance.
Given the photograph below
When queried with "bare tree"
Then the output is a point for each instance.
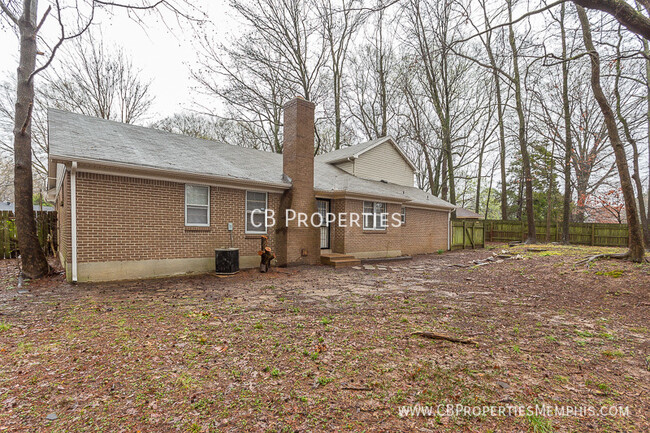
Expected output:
(635, 250)
(629, 136)
(207, 128)
(249, 78)
(624, 13)
(370, 99)
(338, 26)
(24, 18)
(523, 145)
(291, 32)
(432, 32)
(97, 82)
(568, 143)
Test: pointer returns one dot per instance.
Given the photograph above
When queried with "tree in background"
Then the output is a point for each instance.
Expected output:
(636, 249)
(96, 81)
(606, 205)
(73, 21)
(207, 128)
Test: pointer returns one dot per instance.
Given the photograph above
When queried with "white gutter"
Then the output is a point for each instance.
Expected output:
(353, 160)
(73, 218)
(170, 175)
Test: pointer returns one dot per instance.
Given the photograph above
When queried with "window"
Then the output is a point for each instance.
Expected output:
(256, 222)
(374, 215)
(197, 205)
(403, 215)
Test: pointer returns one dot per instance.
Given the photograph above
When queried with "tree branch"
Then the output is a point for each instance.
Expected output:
(624, 13)
(524, 16)
(40, 24)
(9, 14)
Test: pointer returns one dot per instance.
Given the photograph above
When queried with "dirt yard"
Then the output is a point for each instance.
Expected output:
(317, 349)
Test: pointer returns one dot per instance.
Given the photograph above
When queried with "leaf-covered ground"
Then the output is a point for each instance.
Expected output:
(317, 349)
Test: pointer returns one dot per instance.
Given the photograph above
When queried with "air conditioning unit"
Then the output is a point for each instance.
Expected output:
(226, 261)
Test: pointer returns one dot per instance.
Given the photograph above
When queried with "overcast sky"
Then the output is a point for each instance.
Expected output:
(164, 55)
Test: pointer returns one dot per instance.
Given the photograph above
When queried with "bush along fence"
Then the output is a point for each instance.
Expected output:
(596, 234)
(467, 234)
(46, 228)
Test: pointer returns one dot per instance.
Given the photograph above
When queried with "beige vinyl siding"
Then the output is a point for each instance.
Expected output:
(383, 162)
(346, 166)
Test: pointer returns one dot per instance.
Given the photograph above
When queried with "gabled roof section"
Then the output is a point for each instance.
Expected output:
(75, 137)
(353, 152)
(461, 212)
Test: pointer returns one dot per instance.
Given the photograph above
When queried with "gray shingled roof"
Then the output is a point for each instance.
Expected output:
(84, 138)
(461, 212)
(75, 136)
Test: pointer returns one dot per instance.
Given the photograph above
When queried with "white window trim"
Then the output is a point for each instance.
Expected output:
(266, 206)
(381, 229)
(194, 224)
(403, 215)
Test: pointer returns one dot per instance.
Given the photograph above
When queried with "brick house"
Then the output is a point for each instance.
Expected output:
(137, 202)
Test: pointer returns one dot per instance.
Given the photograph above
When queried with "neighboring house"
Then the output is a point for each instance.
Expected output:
(8, 206)
(466, 214)
(136, 202)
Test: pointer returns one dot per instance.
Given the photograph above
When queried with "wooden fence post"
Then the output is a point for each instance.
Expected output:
(463, 234)
(593, 234)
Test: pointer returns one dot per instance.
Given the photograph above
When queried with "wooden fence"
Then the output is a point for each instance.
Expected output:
(467, 234)
(46, 229)
(596, 234)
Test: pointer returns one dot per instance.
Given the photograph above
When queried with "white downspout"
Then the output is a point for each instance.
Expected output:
(449, 231)
(73, 218)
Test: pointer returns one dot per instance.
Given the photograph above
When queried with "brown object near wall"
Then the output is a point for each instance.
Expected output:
(266, 255)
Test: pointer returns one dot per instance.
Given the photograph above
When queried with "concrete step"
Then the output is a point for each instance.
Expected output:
(343, 263)
(339, 260)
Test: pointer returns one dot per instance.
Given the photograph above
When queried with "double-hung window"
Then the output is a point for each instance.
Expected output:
(374, 215)
(256, 203)
(403, 215)
(197, 205)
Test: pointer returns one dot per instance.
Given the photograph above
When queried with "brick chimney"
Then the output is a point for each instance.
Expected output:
(298, 245)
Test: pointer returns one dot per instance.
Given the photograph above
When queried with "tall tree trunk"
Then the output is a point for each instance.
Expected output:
(477, 201)
(450, 167)
(549, 193)
(487, 203)
(443, 173)
(337, 113)
(635, 251)
(646, 50)
(427, 161)
(525, 158)
(32, 257)
(568, 144)
(382, 82)
(636, 176)
(500, 112)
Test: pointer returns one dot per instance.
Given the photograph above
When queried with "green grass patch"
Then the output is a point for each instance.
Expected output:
(617, 273)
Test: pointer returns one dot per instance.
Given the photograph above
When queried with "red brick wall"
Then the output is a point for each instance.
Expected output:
(120, 218)
(425, 231)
